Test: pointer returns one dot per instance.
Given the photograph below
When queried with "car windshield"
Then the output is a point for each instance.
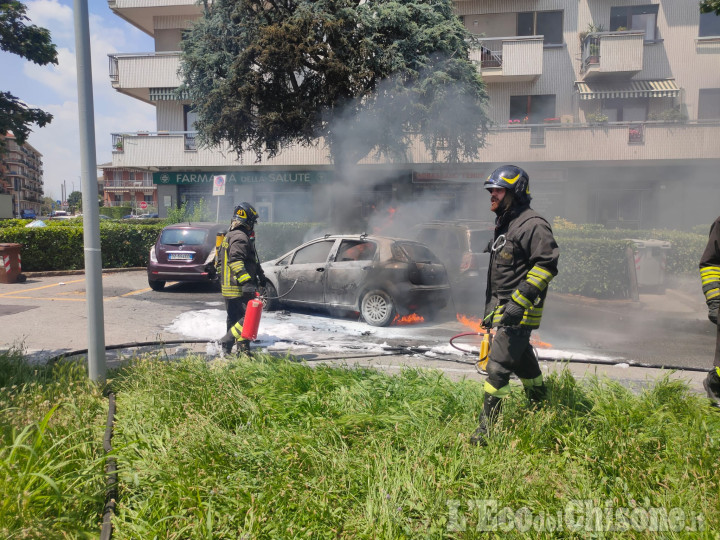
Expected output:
(479, 240)
(191, 237)
(416, 252)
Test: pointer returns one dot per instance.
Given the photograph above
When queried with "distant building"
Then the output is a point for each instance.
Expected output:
(21, 175)
(612, 107)
(130, 187)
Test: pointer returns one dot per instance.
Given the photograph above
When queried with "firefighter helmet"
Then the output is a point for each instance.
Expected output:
(245, 214)
(512, 178)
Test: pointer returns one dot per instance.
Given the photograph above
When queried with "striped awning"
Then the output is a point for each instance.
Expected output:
(166, 94)
(630, 89)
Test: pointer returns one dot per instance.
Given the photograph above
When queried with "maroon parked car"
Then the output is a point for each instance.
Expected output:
(184, 252)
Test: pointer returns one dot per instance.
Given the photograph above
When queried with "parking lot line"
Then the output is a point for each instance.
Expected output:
(12, 293)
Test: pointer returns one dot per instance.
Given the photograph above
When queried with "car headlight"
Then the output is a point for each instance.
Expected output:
(210, 257)
(153, 256)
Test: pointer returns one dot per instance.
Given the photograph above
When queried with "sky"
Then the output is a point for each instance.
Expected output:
(53, 88)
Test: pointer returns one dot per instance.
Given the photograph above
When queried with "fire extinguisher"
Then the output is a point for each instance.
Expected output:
(252, 319)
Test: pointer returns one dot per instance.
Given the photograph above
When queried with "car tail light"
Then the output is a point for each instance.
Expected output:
(153, 256)
(470, 261)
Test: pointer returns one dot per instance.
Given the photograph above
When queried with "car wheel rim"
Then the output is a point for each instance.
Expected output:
(376, 308)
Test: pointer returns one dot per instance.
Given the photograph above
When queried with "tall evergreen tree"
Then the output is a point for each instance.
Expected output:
(364, 75)
(30, 42)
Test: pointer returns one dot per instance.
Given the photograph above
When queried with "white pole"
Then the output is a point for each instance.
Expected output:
(217, 216)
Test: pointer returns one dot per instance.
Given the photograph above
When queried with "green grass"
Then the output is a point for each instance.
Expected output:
(51, 461)
(274, 449)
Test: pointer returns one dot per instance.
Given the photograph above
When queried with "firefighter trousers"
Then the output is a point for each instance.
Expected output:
(235, 309)
(510, 353)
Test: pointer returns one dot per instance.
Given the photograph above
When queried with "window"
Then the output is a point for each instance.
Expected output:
(534, 108)
(626, 110)
(314, 253)
(709, 25)
(635, 18)
(190, 117)
(541, 23)
(709, 104)
(352, 250)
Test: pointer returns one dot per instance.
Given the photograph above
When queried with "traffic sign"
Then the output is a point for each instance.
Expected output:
(219, 185)
(143, 205)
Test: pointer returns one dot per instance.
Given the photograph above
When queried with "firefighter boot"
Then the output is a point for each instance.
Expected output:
(244, 347)
(712, 386)
(227, 342)
(491, 409)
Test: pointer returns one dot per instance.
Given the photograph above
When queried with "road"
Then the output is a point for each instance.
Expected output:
(46, 316)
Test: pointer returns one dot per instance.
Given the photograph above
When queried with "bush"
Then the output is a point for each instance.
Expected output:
(593, 267)
(60, 245)
(115, 212)
(124, 244)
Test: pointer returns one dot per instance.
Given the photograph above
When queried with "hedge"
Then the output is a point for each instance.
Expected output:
(593, 260)
(593, 267)
(125, 244)
(60, 246)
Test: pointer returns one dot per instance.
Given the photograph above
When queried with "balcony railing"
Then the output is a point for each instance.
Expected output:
(504, 59)
(546, 142)
(145, 70)
(612, 54)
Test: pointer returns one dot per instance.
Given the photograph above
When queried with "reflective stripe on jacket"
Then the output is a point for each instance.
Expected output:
(523, 261)
(710, 264)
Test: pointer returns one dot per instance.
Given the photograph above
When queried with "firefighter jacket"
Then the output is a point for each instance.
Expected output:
(239, 264)
(710, 266)
(523, 261)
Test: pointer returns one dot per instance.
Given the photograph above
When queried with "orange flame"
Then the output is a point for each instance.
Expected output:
(475, 323)
(413, 318)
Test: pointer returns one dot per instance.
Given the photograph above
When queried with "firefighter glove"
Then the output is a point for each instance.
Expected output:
(513, 314)
(262, 280)
(713, 309)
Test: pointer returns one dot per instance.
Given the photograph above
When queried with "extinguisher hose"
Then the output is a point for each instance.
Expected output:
(281, 295)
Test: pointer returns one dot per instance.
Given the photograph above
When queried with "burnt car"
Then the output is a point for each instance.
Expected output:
(184, 252)
(378, 276)
(463, 246)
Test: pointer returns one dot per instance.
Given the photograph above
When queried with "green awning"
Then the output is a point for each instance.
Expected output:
(631, 89)
(166, 94)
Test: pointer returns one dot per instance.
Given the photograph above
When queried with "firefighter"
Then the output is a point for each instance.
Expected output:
(710, 276)
(240, 274)
(523, 261)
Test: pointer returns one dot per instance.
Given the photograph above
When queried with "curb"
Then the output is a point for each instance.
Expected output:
(51, 273)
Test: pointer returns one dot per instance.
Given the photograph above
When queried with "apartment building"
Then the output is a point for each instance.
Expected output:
(613, 107)
(21, 173)
(128, 187)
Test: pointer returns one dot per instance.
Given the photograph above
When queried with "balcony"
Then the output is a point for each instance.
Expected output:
(612, 54)
(136, 74)
(177, 149)
(509, 59)
(552, 141)
(140, 13)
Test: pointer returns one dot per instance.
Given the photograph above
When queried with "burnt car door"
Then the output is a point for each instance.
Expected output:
(347, 272)
(304, 275)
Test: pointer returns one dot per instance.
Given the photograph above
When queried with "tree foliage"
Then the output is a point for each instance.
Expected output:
(364, 75)
(30, 42)
(74, 200)
(710, 6)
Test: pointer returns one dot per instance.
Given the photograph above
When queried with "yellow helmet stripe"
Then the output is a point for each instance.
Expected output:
(511, 181)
